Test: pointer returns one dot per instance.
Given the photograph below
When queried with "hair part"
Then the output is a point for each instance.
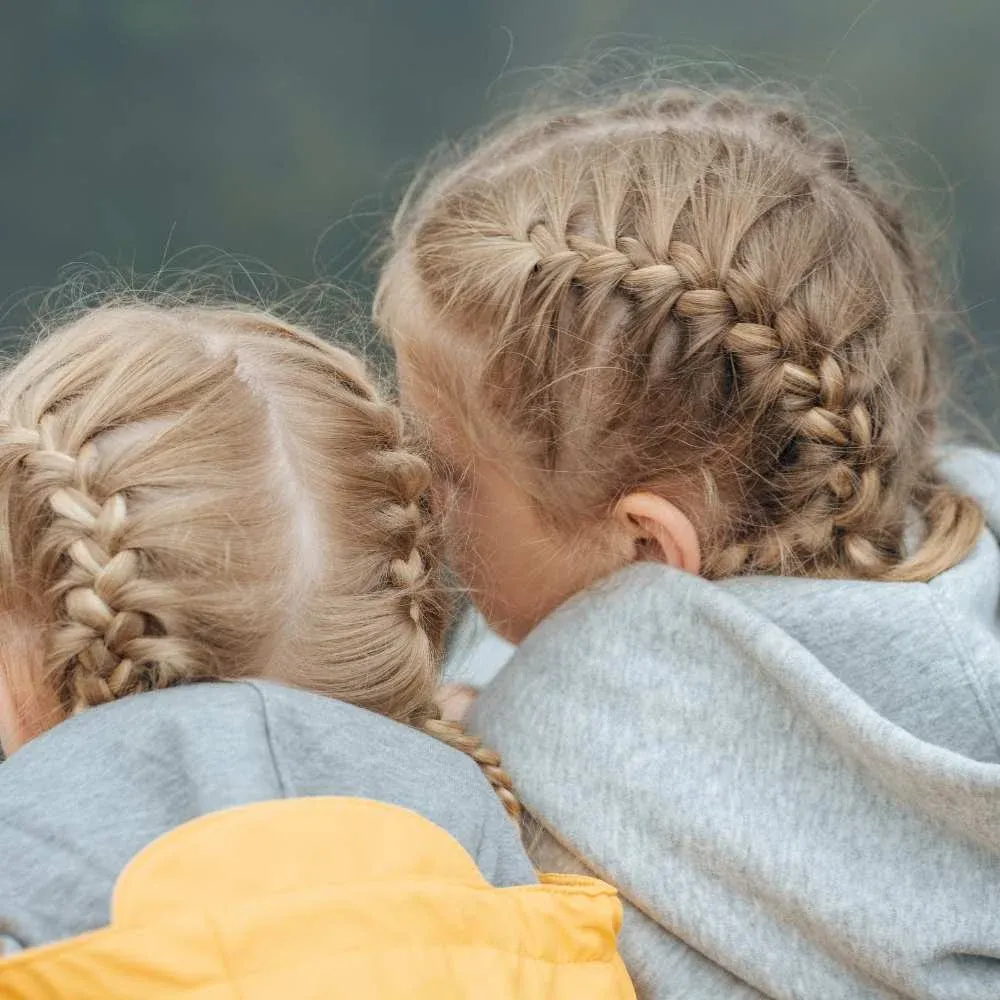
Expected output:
(702, 295)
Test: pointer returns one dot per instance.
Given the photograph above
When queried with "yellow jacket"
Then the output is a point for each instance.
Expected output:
(326, 897)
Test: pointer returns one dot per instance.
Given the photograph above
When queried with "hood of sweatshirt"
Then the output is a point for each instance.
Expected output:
(794, 783)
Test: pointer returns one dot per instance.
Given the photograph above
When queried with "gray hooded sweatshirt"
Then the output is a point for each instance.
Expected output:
(794, 783)
(77, 804)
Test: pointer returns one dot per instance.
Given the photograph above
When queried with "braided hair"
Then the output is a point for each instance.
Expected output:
(699, 295)
(195, 493)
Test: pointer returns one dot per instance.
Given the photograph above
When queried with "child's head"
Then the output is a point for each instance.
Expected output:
(686, 324)
(193, 493)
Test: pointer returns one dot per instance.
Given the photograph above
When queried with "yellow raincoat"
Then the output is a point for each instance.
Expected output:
(329, 897)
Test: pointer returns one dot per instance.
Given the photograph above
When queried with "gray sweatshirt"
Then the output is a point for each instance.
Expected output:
(79, 802)
(794, 783)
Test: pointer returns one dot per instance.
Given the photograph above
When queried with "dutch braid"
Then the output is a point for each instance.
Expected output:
(700, 294)
(812, 404)
(410, 572)
(105, 639)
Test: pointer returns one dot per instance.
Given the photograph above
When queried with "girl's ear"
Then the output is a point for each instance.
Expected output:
(659, 531)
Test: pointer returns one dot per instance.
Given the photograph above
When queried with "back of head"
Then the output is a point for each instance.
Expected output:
(700, 295)
(194, 493)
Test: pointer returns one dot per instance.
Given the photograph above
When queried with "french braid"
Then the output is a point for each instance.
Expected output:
(699, 295)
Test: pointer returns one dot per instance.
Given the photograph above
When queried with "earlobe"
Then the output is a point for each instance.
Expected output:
(656, 523)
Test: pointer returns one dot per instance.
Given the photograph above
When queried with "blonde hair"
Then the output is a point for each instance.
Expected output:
(700, 295)
(193, 493)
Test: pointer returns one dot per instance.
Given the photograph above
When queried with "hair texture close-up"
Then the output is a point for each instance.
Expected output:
(700, 294)
(195, 493)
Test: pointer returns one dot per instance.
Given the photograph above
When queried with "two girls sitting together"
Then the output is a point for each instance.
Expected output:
(672, 362)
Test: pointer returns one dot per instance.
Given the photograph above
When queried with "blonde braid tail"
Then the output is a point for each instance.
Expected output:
(953, 523)
(488, 760)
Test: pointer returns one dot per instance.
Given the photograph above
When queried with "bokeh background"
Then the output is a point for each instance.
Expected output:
(131, 130)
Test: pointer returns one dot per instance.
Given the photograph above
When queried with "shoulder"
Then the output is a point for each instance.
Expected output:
(102, 740)
(321, 747)
(307, 731)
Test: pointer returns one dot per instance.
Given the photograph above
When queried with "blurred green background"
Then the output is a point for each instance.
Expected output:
(133, 129)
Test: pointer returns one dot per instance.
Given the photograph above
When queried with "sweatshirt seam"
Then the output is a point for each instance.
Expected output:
(968, 667)
(268, 739)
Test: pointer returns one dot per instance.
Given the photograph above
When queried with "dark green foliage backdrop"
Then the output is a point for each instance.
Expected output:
(134, 128)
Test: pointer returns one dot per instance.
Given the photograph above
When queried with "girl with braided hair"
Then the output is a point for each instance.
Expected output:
(677, 357)
(220, 636)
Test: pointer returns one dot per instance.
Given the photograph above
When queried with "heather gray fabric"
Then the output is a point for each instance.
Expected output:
(79, 802)
(794, 783)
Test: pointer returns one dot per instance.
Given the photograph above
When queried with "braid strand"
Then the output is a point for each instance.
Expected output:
(453, 734)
